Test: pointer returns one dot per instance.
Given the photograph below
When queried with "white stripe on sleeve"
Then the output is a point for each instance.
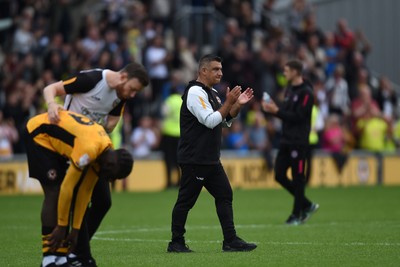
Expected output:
(198, 104)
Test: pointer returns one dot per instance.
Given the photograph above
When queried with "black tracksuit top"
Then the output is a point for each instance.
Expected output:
(295, 112)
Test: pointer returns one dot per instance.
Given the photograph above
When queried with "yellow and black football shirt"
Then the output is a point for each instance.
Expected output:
(81, 140)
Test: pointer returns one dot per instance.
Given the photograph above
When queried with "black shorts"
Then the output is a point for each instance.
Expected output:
(45, 165)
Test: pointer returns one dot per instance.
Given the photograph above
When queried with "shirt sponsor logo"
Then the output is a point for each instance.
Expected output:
(200, 178)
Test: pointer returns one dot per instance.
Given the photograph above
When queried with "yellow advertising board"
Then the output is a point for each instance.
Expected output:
(358, 170)
(391, 170)
(247, 172)
(14, 178)
(147, 175)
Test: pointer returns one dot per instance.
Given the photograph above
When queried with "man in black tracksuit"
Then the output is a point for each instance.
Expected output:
(202, 117)
(295, 113)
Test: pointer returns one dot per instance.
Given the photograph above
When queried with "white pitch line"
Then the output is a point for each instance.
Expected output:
(240, 226)
(359, 244)
(163, 229)
(100, 235)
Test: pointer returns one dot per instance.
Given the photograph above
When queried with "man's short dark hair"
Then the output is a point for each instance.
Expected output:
(136, 70)
(115, 164)
(207, 59)
(295, 64)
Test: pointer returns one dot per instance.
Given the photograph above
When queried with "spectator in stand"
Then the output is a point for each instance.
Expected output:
(364, 106)
(160, 11)
(18, 109)
(111, 40)
(232, 28)
(317, 124)
(321, 95)
(225, 46)
(239, 66)
(301, 52)
(386, 98)
(185, 59)
(24, 40)
(344, 36)
(266, 69)
(298, 12)
(331, 52)
(310, 28)
(56, 65)
(8, 136)
(246, 21)
(238, 138)
(29, 71)
(156, 61)
(105, 60)
(259, 139)
(354, 59)
(315, 55)
(338, 93)
(375, 133)
(143, 138)
(93, 43)
(334, 140)
(267, 21)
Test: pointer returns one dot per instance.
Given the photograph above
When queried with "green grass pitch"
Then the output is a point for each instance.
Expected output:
(356, 226)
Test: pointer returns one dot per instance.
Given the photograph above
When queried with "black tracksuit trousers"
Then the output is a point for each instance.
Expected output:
(294, 157)
(215, 180)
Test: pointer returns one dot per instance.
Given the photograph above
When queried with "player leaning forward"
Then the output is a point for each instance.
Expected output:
(99, 94)
(89, 149)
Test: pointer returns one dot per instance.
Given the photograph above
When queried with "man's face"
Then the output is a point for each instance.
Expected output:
(289, 74)
(129, 88)
(213, 72)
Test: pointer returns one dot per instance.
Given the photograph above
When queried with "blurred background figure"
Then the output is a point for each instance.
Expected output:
(170, 133)
(143, 138)
(334, 141)
(259, 137)
(8, 137)
(238, 138)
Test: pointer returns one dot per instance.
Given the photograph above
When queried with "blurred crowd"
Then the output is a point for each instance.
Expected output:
(47, 41)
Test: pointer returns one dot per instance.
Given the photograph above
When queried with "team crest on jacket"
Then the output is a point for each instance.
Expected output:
(295, 98)
(52, 174)
(294, 154)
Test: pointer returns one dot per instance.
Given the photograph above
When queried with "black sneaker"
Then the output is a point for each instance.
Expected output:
(308, 212)
(178, 247)
(81, 262)
(237, 244)
(293, 220)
